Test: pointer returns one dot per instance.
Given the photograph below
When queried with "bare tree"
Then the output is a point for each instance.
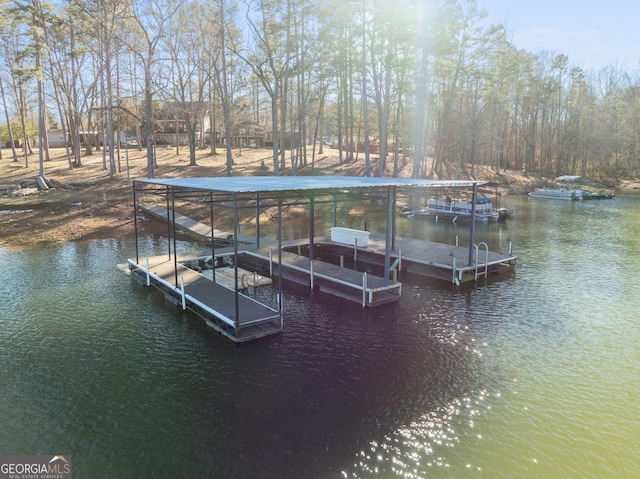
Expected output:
(268, 57)
(152, 19)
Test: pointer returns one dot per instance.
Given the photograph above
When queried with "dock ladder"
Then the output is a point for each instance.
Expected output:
(478, 271)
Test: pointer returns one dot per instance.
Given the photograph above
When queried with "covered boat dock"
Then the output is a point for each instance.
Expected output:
(235, 314)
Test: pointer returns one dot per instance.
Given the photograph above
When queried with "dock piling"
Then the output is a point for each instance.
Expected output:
(311, 273)
(184, 299)
(364, 289)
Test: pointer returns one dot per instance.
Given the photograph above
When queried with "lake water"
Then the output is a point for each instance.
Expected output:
(535, 375)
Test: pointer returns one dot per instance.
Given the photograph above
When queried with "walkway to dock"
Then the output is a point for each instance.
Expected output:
(231, 313)
(191, 226)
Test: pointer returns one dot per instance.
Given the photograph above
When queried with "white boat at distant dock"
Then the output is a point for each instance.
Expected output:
(571, 188)
(460, 210)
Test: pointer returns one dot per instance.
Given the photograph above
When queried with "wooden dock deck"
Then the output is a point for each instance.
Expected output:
(423, 258)
(231, 313)
(362, 288)
(365, 289)
(445, 261)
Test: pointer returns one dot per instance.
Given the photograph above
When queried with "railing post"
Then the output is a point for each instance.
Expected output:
(355, 250)
(311, 273)
(148, 277)
(475, 247)
(486, 259)
(271, 263)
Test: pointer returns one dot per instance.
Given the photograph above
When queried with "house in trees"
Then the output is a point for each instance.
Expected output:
(290, 140)
(57, 138)
(171, 123)
(246, 134)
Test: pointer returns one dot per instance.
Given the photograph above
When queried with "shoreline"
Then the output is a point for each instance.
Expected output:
(89, 205)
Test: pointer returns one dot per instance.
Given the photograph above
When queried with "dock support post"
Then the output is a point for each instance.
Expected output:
(168, 224)
(271, 263)
(135, 220)
(257, 220)
(364, 289)
(184, 300)
(148, 277)
(213, 241)
(235, 260)
(355, 250)
(472, 228)
(280, 243)
(388, 235)
(175, 247)
(342, 261)
(453, 270)
(311, 273)
(312, 232)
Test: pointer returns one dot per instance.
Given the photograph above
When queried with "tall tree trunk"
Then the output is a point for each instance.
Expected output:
(9, 128)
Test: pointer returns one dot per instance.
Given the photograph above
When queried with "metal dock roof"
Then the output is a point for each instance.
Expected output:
(260, 184)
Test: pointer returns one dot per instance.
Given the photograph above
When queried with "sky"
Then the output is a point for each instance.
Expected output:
(593, 33)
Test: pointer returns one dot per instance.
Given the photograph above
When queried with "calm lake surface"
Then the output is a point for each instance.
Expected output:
(533, 376)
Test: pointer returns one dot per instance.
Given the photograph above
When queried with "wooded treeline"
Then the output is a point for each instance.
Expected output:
(390, 81)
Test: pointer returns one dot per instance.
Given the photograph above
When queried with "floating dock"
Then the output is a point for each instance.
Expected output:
(363, 288)
(417, 257)
(443, 261)
(231, 313)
